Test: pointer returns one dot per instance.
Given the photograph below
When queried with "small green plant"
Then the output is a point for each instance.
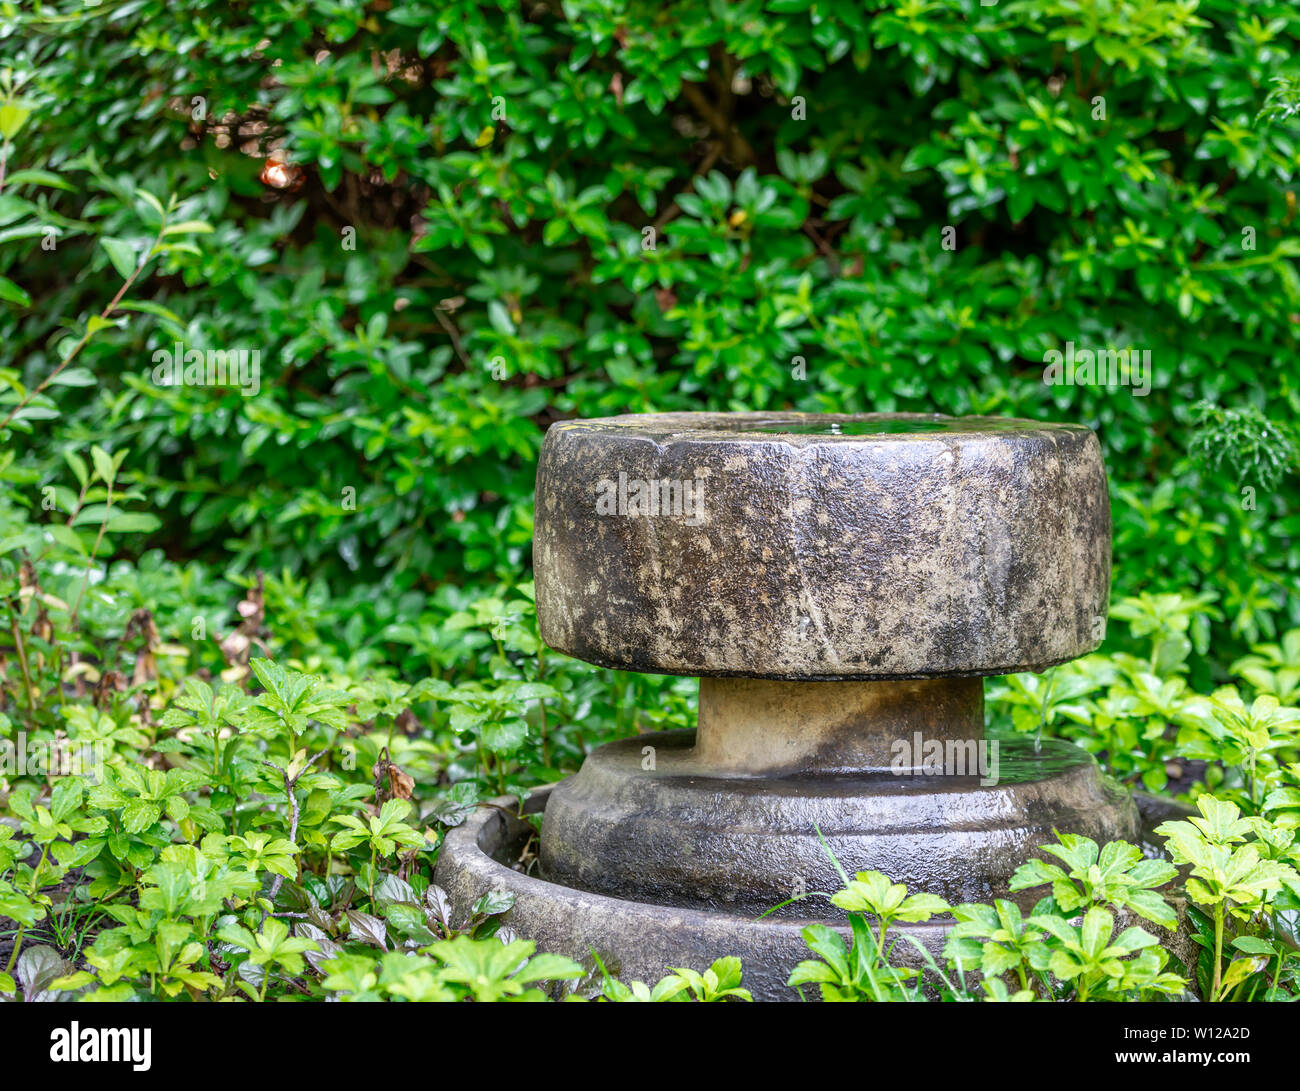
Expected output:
(1283, 102)
(1117, 875)
(486, 970)
(1256, 449)
(856, 971)
(459, 968)
(996, 940)
(1232, 879)
(1092, 961)
(720, 982)
(1047, 953)
(381, 834)
(1247, 741)
(1274, 669)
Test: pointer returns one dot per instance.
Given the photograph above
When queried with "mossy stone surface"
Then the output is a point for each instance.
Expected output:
(821, 546)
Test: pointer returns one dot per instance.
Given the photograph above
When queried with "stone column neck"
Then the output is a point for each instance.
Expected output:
(769, 727)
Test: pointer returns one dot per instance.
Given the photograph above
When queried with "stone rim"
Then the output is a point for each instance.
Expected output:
(637, 940)
(684, 426)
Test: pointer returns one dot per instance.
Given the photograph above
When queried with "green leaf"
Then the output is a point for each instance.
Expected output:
(188, 227)
(12, 118)
(74, 376)
(138, 815)
(504, 737)
(1239, 970)
(32, 177)
(133, 522)
(121, 253)
(104, 465)
(12, 293)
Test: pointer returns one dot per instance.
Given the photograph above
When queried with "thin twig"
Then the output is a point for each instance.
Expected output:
(22, 663)
(112, 305)
(738, 147)
(672, 211)
(289, 785)
(455, 337)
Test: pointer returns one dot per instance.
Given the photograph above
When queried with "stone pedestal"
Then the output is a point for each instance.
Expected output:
(840, 584)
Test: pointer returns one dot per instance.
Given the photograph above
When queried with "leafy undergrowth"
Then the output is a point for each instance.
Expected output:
(218, 805)
(1242, 882)
(271, 833)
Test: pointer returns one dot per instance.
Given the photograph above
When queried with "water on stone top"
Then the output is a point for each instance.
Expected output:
(886, 426)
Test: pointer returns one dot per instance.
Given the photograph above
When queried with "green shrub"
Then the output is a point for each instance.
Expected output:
(444, 225)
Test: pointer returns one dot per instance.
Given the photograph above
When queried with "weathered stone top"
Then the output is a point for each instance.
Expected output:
(821, 546)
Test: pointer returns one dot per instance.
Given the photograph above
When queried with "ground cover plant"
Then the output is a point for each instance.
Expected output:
(263, 640)
(271, 833)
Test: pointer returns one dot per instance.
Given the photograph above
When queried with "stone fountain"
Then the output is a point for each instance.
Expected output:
(840, 584)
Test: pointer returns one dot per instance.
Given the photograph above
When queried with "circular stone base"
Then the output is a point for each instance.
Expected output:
(635, 941)
(642, 820)
(639, 941)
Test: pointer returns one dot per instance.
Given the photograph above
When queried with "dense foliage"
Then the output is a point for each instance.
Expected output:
(443, 225)
(293, 612)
